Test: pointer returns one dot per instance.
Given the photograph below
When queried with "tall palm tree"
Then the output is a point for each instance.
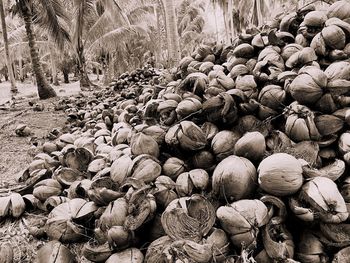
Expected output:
(6, 44)
(47, 13)
(172, 32)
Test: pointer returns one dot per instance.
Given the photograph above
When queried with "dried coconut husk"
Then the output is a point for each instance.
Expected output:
(335, 235)
(54, 252)
(310, 248)
(64, 221)
(277, 240)
(130, 255)
(78, 158)
(96, 252)
(141, 208)
(188, 218)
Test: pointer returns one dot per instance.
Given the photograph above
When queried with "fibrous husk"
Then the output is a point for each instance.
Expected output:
(187, 135)
(335, 235)
(144, 144)
(280, 174)
(96, 252)
(64, 221)
(103, 190)
(188, 218)
(194, 181)
(119, 169)
(130, 255)
(234, 178)
(334, 37)
(332, 171)
(164, 191)
(156, 250)
(223, 143)
(67, 176)
(251, 146)
(46, 188)
(310, 249)
(342, 256)
(305, 89)
(187, 106)
(114, 215)
(242, 220)
(145, 168)
(120, 238)
(272, 96)
(339, 9)
(54, 252)
(141, 208)
(173, 166)
(78, 158)
(277, 240)
(54, 201)
(220, 109)
(300, 124)
(323, 199)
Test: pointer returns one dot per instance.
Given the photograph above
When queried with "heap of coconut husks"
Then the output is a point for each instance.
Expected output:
(243, 157)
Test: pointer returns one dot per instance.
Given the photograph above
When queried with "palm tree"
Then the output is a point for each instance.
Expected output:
(172, 32)
(47, 14)
(6, 44)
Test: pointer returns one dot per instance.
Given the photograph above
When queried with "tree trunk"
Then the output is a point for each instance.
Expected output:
(85, 82)
(66, 76)
(158, 49)
(216, 22)
(7, 53)
(45, 91)
(20, 65)
(230, 9)
(226, 22)
(172, 32)
(53, 59)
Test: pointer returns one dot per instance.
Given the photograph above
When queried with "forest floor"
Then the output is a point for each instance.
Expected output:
(17, 152)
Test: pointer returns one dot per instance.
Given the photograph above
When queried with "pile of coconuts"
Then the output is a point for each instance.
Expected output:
(243, 157)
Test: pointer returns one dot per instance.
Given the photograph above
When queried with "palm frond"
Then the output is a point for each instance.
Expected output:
(17, 34)
(85, 15)
(22, 49)
(52, 17)
(113, 39)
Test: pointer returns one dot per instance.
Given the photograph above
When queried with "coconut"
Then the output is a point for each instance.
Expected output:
(223, 143)
(280, 174)
(188, 218)
(251, 146)
(234, 178)
(242, 220)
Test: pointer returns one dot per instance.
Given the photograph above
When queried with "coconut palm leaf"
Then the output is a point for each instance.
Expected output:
(85, 16)
(113, 39)
(51, 16)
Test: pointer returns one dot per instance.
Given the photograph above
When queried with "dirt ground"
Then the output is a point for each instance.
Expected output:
(17, 152)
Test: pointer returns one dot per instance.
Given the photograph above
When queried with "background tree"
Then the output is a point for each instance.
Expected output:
(47, 14)
(6, 46)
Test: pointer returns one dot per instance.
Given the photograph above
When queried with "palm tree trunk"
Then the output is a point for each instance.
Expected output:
(53, 59)
(20, 65)
(159, 37)
(172, 32)
(45, 91)
(7, 53)
(85, 82)
(226, 21)
(216, 22)
(230, 9)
